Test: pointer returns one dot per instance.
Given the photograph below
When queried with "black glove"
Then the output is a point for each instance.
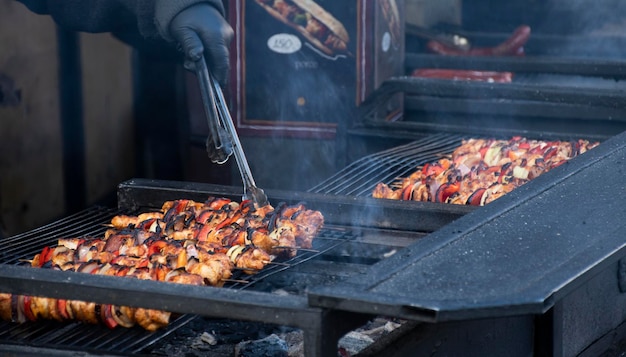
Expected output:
(202, 28)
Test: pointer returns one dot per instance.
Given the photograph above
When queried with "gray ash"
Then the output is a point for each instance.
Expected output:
(188, 340)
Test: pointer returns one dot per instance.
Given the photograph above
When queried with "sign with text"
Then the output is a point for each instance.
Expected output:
(300, 66)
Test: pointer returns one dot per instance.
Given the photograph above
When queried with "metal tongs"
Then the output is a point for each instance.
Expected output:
(223, 140)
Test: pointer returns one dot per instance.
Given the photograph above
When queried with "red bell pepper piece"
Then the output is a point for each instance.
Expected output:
(45, 256)
(106, 316)
(446, 190)
(218, 203)
(62, 309)
(28, 312)
(550, 153)
(407, 193)
(475, 198)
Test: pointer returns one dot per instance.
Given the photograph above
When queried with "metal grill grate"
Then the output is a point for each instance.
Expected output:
(90, 222)
(86, 338)
(360, 177)
(81, 337)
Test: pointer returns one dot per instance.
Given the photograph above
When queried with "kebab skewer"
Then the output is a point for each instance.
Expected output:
(186, 242)
(482, 170)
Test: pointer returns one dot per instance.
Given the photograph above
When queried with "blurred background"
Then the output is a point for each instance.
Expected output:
(80, 113)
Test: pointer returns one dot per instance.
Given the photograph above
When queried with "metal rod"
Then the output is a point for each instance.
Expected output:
(240, 156)
(250, 189)
(217, 143)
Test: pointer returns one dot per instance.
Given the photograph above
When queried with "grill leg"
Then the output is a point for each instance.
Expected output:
(322, 336)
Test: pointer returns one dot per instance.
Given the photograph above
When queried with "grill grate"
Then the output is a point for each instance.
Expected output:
(89, 338)
(360, 177)
(16, 250)
(89, 222)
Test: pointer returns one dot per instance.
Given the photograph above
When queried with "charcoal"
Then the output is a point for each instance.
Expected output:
(271, 346)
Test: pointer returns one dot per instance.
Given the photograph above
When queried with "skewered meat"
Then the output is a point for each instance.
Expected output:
(482, 170)
(187, 242)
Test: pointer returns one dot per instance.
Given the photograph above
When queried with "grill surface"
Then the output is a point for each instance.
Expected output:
(555, 243)
(55, 335)
(360, 177)
(358, 233)
(17, 250)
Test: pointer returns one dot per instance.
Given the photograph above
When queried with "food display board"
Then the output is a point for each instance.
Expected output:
(298, 67)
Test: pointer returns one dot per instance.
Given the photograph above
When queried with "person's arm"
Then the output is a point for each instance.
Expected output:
(197, 25)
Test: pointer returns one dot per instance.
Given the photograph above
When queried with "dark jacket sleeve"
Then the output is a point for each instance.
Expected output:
(149, 18)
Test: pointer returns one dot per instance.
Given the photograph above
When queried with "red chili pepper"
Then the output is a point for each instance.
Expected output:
(425, 168)
(524, 145)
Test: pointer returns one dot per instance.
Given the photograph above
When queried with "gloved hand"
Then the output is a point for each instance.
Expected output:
(202, 28)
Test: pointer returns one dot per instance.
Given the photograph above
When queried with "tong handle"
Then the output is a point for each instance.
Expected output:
(249, 186)
(223, 140)
(218, 144)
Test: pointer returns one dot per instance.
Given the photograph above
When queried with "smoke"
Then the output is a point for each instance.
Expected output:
(313, 102)
(597, 24)
(586, 15)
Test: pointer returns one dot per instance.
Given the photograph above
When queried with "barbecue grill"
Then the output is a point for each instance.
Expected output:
(559, 91)
(539, 271)
(564, 98)
(340, 251)
(470, 281)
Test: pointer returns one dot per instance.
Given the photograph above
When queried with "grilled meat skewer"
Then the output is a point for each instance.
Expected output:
(187, 242)
(482, 170)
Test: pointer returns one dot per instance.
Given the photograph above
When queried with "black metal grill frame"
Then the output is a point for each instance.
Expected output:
(321, 328)
(92, 223)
